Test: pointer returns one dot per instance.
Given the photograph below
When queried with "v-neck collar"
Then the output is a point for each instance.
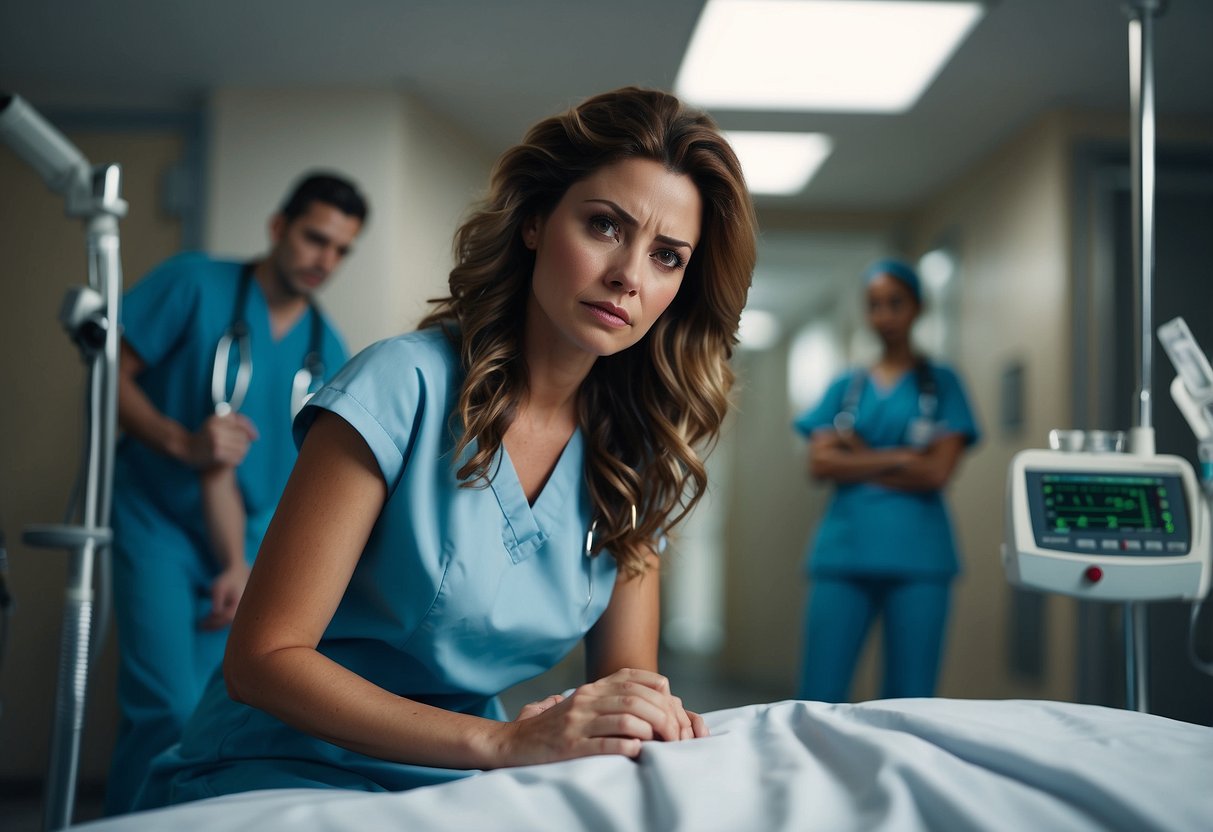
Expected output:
(528, 522)
(884, 391)
(262, 306)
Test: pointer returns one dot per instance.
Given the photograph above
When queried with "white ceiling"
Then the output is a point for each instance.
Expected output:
(495, 66)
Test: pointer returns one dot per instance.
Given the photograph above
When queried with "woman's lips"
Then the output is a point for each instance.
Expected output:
(610, 314)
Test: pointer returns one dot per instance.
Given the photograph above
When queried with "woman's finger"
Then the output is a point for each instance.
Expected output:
(533, 709)
(643, 703)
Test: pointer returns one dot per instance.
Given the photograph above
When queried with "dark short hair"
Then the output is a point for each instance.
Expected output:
(328, 188)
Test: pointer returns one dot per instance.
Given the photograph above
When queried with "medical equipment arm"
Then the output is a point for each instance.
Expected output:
(1192, 388)
(62, 167)
(90, 314)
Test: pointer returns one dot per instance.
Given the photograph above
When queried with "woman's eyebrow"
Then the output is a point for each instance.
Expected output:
(628, 219)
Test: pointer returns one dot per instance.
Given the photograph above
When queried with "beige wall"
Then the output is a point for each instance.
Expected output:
(44, 254)
(1009, 220)
(418, 174)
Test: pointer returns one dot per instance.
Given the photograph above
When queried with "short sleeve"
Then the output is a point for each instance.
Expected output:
(956, 415)
(822, 414)
(157, 309)
(382, 394)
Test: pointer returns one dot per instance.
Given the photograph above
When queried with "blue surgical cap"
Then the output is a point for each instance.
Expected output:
(902, 271)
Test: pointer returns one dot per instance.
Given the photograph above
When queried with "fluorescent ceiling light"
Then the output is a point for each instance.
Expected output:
(834, 55)
(779, 163)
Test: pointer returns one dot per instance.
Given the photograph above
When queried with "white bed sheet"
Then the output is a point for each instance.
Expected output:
(912, 764)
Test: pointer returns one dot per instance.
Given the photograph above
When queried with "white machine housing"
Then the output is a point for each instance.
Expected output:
(1170, 560)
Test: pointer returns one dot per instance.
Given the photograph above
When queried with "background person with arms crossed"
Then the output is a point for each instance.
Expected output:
(889, 437)
(197, 478)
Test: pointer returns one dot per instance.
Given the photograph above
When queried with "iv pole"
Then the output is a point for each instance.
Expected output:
(1141, 441)
(90, 316)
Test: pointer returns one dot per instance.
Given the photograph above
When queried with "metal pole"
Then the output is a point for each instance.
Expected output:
(1141, 97)
(91, 539)
(90, 315)
(1137, 694)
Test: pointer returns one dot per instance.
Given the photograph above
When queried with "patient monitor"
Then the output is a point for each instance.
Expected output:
(1086, 520)
(1107, 526)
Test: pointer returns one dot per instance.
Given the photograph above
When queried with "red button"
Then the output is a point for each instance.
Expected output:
(1093, 574)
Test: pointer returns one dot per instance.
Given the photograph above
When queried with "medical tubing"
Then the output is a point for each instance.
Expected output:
(103, 565)
(69, 711)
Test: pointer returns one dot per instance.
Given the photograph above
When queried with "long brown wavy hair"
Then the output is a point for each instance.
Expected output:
(646, 412)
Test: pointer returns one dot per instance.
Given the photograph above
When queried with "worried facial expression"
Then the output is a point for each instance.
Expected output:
(611, 256)
(308, 249)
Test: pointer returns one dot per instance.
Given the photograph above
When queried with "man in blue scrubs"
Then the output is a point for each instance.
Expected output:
(182, 555)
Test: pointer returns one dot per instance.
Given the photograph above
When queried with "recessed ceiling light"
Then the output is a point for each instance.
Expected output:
(779, 163)
(832, 55)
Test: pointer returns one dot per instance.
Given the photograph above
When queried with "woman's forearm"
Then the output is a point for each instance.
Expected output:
(927, 470)
(850, 466)
(316, 695)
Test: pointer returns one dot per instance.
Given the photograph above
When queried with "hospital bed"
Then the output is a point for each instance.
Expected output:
(912, 764)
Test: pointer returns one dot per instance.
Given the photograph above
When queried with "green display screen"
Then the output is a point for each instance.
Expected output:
(1109, 513)
(1106, 503)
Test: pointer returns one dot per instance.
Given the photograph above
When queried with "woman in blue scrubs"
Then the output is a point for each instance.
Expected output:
(890, 438)
(474, 498)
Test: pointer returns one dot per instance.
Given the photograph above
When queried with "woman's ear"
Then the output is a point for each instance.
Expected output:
(530, 233)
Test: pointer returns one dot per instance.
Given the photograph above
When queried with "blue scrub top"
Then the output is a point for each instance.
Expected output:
(871, 530)
(173, 319)
(460, 592)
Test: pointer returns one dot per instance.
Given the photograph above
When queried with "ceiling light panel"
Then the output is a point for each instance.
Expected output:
(825, 55)
(779, 163)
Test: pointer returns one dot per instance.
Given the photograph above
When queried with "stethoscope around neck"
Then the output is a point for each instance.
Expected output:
(237, 333)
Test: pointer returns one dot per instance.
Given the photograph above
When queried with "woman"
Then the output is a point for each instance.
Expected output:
(472, 499)
(890, 437)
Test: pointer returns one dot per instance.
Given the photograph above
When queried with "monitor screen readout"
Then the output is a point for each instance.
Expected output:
(1120, 513)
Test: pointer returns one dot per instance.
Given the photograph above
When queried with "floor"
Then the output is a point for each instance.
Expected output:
(21, 805)
(694, 679)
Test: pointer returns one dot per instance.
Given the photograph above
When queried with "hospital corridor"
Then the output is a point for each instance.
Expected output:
(382, 346)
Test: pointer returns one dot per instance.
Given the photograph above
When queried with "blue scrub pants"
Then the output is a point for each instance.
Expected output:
(841, 611)
(162, 577)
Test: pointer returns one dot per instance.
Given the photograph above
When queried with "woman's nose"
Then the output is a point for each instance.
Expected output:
(624, 273)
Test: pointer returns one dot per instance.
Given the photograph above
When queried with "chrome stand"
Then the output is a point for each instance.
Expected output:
(1141, 97)
(90, 316)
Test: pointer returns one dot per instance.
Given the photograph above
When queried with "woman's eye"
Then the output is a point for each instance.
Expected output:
(605, 226)
(669, 259)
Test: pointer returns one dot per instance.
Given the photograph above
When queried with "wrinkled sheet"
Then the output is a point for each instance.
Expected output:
(911, 764)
